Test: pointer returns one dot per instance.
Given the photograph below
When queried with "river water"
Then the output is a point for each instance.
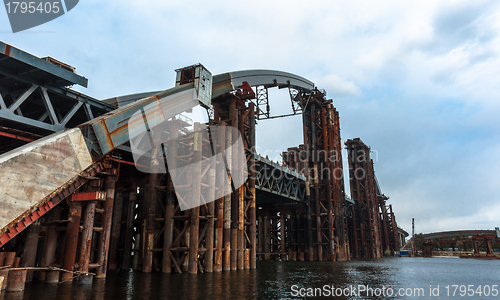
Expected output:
(387, 278)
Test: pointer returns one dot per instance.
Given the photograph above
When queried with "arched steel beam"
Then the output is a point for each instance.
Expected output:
(227, 82)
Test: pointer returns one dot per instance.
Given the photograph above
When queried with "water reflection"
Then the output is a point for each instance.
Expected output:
(274, 280)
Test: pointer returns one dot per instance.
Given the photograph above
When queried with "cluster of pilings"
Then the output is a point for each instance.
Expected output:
(72, 239)
(373, 228)
(320, 159)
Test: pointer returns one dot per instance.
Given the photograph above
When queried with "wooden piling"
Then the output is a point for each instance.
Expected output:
(196, 198)
(72, 232)
(86, 238)
(103, 242)
(30, 248)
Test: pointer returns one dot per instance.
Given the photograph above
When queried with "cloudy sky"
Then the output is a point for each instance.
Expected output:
(418, 81)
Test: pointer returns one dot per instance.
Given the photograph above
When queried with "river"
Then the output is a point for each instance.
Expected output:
(387, 278)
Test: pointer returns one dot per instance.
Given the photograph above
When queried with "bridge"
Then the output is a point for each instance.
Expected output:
(479, 238)
(70, 177)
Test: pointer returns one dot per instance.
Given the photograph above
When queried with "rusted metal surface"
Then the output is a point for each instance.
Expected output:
(251, 185)
(116, 227)
(129, 227)
(226, 82)
(86, 236)
(16, 280)
(458, 233)
(88, 196)
(30, 248)
(113, 129)
(196, 194)
(106, 220)
(50, 243)
(151, 210)
(369, 211)
(71, 243)
(219, 207)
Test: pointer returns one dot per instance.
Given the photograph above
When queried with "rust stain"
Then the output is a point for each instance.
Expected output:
(29, 192)
(7, 49)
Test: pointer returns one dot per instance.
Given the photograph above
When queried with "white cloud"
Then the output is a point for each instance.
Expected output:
(337, 87)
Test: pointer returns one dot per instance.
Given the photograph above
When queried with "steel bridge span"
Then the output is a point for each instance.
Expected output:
(74, 203)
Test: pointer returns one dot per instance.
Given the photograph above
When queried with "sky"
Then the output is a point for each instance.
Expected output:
(417, 81)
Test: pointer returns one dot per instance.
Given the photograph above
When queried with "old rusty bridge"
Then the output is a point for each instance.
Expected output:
(74, 204)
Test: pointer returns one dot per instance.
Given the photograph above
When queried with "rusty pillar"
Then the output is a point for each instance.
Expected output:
(233, 116)
(226, 261)
(3, 272)
(251, 185)
(327, 162)
(394, 229)
(299, 236)
(16, 281)
(267, 237)
(86, 239)
(116, 228)
(316, 184)
(50, 243)
(195, 212)
(339, 190)
(209, 237)
(168, 235)
(240, 160)
(103, 242)
(86, 236)
(489, 249)
(476, 247)
(292, 242)
(193, 240)
(260, 235)
(129, 227)
(282, 236)
(30, 248)
(354, 226)
(375, 211)
(219, 205)
(308, 228)
(75, 213)
(9, 258)
(151, 210)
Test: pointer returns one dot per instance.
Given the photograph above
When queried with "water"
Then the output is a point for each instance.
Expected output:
(284, 280)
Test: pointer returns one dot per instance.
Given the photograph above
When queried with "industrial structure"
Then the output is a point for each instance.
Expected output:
(480, 239)
(75, 204)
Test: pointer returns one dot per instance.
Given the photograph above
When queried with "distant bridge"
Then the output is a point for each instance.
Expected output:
(462, 233)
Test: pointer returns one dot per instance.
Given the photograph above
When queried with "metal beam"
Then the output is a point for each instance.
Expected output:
(48, 106)
(447, 234)
(33, 61)
(71, 113)
(227, 82)
(20, 100)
